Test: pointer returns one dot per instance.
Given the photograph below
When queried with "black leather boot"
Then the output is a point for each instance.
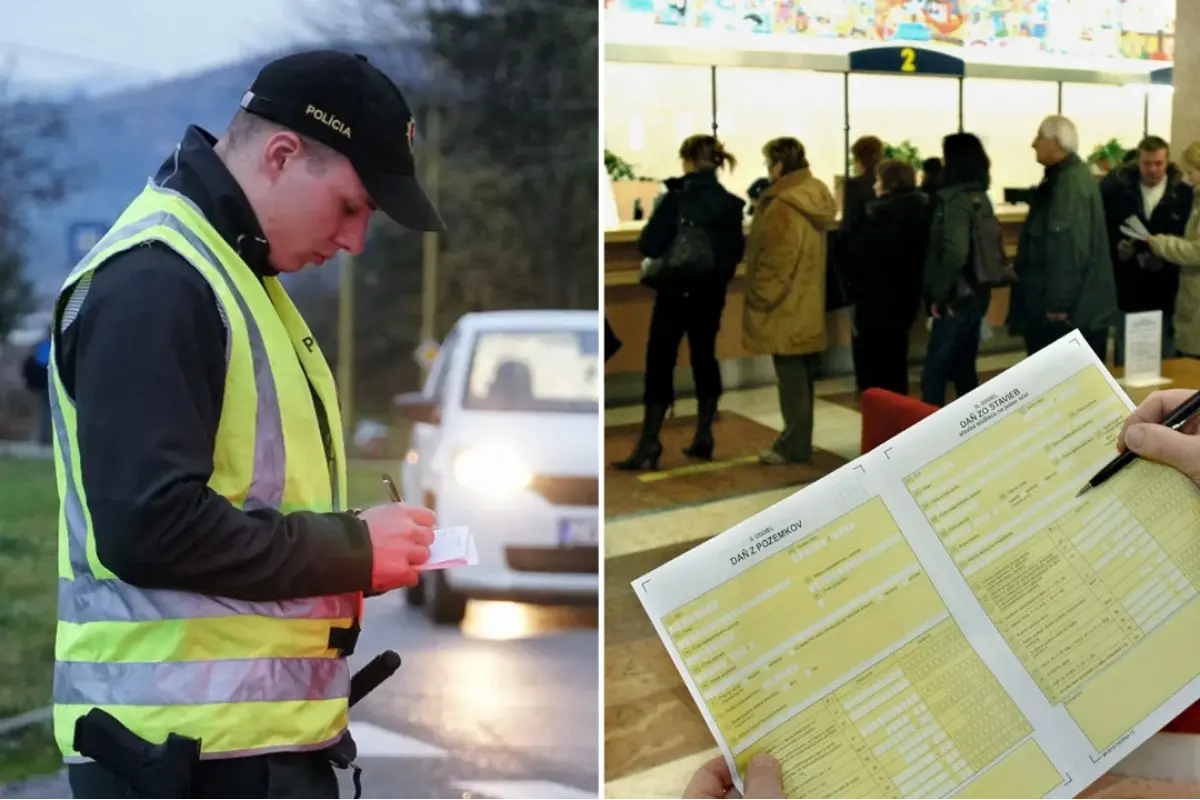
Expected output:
(702, 444)
(649, 448)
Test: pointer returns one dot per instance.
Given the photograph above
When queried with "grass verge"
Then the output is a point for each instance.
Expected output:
(28, 752)
(28, 598)
(28, 609)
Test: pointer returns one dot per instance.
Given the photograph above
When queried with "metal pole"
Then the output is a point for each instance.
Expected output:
(712, 88)
(960, 103)
(1059, 111)
(846, 115)
(1146, 114)
(429, 240)
(345, 363)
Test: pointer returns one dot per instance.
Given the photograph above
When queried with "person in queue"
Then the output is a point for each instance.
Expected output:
(956, 303)
(1184, 250)
(883, 264)
(931, 176)
(212, 576)
(713, 781)
(693, 309)
(858, 191)
(1153, 190)
(1063, 264)
(784, 314)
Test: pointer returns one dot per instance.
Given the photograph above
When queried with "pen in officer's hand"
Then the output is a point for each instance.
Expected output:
(393, 492)
(1175, 420)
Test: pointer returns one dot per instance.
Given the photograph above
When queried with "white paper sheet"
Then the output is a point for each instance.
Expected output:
(942, 616)
(452, 547)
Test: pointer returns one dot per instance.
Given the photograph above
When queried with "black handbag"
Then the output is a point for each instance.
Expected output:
(688, 258)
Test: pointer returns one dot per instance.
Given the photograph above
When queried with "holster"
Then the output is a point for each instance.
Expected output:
(342, 756)
(162, 770)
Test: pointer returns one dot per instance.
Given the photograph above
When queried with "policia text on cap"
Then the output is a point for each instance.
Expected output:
(211, 577)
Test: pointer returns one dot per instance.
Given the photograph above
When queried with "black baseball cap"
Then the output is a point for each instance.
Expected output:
(345, 102)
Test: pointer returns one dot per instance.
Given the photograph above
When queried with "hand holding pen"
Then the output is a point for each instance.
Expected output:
(400, 539)
(1163, 429)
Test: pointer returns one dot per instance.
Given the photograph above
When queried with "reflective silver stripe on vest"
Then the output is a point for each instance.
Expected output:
(335, 490)
(180, 683)
(86, 599)
(117, 235)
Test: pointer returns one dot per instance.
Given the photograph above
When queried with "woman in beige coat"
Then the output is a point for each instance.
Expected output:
(784, 315)
(1185, 251)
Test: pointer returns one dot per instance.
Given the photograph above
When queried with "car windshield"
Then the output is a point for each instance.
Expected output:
(548, 371)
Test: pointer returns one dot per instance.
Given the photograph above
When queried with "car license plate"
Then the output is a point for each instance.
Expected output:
(578, 533)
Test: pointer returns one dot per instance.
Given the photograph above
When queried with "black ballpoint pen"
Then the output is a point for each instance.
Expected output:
(1175, 420)
(393, 492)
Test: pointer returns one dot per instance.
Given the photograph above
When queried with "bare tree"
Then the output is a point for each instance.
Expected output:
(514, 88)
(30, 177)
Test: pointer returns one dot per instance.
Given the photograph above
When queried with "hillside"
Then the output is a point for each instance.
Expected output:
(117, 141)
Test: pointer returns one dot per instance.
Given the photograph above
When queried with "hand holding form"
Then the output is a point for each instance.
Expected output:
(763, 779)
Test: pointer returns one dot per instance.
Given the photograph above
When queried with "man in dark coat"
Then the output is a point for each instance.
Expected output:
(1152, 189)
(1063, 263)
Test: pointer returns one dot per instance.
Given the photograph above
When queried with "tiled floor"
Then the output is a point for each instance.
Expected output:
(654, 736)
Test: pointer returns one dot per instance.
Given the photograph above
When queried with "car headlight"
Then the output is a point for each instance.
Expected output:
(491, 470)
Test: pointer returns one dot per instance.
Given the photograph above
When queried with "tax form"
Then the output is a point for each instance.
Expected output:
(942, 617)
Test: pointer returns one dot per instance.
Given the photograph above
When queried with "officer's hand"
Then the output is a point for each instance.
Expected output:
(1143, 435)
(400, 540)
(763, 779)
(1124, 249)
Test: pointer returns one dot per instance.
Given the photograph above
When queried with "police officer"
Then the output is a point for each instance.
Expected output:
(211, 576)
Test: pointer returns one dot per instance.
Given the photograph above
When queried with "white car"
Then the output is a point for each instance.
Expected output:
(505, 440)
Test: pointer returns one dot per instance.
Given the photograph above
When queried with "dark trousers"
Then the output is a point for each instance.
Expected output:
(950, 356)
(881, 359)
(698, 315)
(274, 775)
(795, 374)
(1042, 336)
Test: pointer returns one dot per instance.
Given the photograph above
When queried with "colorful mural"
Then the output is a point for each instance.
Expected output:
(1141, 29)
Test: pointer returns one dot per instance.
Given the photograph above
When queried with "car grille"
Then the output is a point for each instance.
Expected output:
(561, 560)
(567, 491)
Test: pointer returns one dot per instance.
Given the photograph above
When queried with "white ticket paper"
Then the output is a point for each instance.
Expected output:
(452, 547)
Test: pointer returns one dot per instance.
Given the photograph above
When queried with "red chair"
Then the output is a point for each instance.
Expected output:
(886, 414)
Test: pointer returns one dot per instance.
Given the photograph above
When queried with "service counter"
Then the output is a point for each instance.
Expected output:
(627, 304)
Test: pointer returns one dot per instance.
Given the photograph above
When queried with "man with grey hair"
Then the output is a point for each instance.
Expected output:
(1063, 263)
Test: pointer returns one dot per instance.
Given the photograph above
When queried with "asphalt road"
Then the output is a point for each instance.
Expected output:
(506, 707)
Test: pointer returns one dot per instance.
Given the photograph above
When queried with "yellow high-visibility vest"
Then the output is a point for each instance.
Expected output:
(244, 677)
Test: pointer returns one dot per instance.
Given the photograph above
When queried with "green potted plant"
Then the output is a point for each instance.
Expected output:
(634, 195)
(1107, 156)
(906, 151)
(618, 168)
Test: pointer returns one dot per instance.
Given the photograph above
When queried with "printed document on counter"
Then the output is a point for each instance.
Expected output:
(943, 617)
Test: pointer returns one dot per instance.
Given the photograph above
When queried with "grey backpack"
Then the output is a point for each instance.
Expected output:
(988, 264)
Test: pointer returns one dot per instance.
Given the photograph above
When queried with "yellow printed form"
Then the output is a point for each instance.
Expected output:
(945, 616)
(1096, 596)
(837, 655)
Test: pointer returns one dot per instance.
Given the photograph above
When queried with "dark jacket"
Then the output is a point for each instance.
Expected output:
(946, 259)
(1063, 262)
(857, 193)
(35, 367)
(1145, 282)
(883, 262)
(701, 198)
(144, 361)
